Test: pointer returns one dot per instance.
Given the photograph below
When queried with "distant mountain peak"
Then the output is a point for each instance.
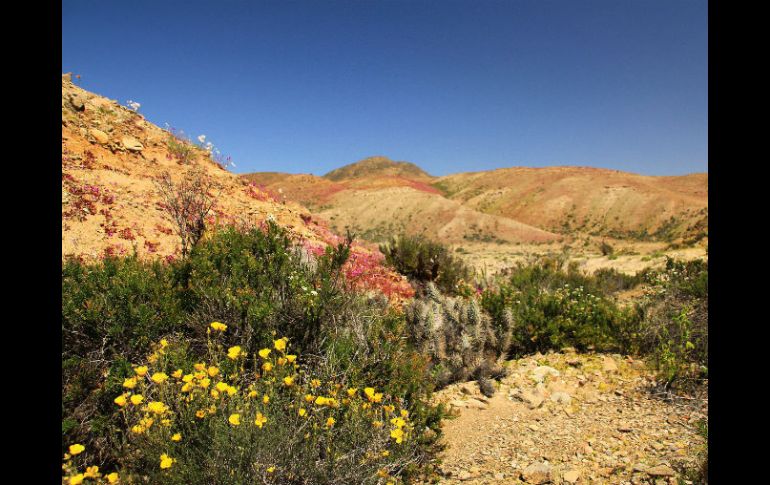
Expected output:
(377, 165)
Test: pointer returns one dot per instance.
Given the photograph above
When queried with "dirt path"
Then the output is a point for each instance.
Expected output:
(568, 418)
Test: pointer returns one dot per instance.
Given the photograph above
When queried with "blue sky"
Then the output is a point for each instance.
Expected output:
(306, 87)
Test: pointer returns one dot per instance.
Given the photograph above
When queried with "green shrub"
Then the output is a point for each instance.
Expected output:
(673, 324)
(257, 281)
(424, 261)
(233, 417)
(543, 307)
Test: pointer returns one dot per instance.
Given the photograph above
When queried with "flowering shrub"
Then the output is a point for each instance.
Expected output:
(233, 417)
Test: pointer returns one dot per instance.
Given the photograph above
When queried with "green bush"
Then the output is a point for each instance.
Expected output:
(673, 324)
(545, 307)
(424, 261)
(233, 417)
(257, 281)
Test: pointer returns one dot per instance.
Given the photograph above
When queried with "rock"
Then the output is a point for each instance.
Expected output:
(78, 102)
(561, 397)
(640, 467)
(464, 475)
(574, 362)
(469, 388)
(660, 471)
(539, 373)
(568, 350)
(99, 135)
(625, 428)
(475, 403)
(571, 476)
(499, 476)
(457, 403)
(132, 144)
(537, 473)
(67, 77)
(531, 399)
(609, 365)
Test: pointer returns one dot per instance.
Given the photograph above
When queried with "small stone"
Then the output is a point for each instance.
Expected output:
(660, 471)
(561, 397)
(609, 365)
(539, 373)
(464, 475)
(99, 136)
(78, 102)
(571, 476)
(537, 473)
(132, 144)
(532, 399)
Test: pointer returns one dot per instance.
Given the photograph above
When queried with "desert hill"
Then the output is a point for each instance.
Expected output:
(588, 200)
(111, 204)
(377, 196)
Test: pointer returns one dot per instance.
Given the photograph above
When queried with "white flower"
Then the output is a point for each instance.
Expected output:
(201, 138)
(133, 105)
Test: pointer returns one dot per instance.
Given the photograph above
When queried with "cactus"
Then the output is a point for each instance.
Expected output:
(457, 334)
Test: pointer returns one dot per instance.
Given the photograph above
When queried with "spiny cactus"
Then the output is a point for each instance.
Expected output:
(455, 333)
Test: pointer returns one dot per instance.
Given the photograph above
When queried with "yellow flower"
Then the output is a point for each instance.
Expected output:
(120, 400)
(235, 419)
(231, 390)
(261, 420)
(159, 377)
(141, 371)
(130, 383)
(281, 361)
(76, 449)
(112, 477)
(91, 472)
(200, 366)
(214, 393)
(398, 422)
(352, 391)
(302, 411)
(187, 378)
(137, 429)
(152, 358)
(267, 367)
(177, 437)
(315, 383)
(265, 399)
(280, 345)
(218, 326)
(320, 400)
(288, 380)
(389, 408)
(385, 453)
(165, 422)
(137, 399)
(404, 413)
(233, 352)
(213, 371)
(200, 414)
(157, 407)
(187, 387)
(309, 398)
(212, 409)
(252, 393)
(369, 391)
(76, 479)
(377, 397)
(330, 422)
(204, 382)
(397, 434)
(221, 386)
(264, 353)
(377, 424)
(271, 469)
(291, 358)
(177, 374)
(163, 343)
(200, 374)
(166, 461)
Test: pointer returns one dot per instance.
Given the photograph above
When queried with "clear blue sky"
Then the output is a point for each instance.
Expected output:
(306, 87)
